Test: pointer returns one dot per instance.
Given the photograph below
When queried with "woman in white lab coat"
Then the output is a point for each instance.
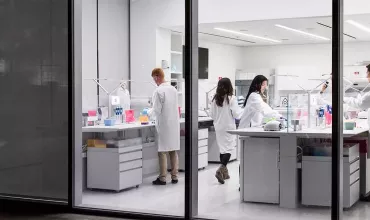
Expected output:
(255, 109)
(361, 101)
(224, 111)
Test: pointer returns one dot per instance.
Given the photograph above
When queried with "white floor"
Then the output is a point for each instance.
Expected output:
(215, 201)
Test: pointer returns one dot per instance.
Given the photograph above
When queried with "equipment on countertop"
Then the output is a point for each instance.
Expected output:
(362, 115)
(144, 118)
(349, 125)
(297, 126)
(110, 122)
(273, 126)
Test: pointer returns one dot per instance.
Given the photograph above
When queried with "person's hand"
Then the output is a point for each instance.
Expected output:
(324, 87)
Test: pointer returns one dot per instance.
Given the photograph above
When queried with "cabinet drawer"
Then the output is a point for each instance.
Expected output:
(128, 142)
(130, 165)
(203, 150)
(351, 195)
(130, 156)
(130, 149)
(202, 134)
(354, 166)
(351, 153)
(202, 160)
(131, 178)
(202, 143)
(354, 177)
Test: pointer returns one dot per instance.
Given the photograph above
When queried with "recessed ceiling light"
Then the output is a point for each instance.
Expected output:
(358, 25)
(302, 32)
(248, 35)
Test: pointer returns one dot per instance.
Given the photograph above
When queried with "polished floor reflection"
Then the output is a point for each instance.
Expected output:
(215, 201)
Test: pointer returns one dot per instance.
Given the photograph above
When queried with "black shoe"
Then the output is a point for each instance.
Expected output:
(159, 182)
(174, 181)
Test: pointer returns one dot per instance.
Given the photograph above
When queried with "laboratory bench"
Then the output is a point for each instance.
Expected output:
(129, 153)
(273, 169)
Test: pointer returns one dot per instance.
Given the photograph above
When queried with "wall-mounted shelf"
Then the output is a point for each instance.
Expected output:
(177, 73)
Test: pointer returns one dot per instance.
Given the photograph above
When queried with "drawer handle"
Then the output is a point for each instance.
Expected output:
(358, 168)
(131, 160)
(355, 160)
(131, 169)
(358, 178)
(131, 151)
(277, 159)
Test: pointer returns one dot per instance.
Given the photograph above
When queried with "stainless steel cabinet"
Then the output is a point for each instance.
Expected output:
(316, 178)
(261, 170)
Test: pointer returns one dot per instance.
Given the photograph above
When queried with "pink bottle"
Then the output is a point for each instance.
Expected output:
(328, 118)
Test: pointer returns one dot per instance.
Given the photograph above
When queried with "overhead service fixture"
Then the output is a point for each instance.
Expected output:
(302, 32)
(327, 26)
(248, 35)
(358, 25)
(231, 38)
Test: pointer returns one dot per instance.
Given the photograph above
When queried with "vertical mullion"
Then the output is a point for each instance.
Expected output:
(191, 108)
(71, 98)
(337, 129)
(97, 52)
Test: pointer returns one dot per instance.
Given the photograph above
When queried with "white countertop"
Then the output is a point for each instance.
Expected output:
(314, 132)
(137, 125)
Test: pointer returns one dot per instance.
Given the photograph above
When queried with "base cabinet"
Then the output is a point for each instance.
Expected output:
(260, 170)
(316, 179)
(202, 150)
(115, 168)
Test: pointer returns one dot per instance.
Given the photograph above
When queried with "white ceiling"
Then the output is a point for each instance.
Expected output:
(267, 29)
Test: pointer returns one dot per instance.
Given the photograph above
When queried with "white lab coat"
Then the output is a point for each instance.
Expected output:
(326, 97)
(167, 123)
(361, 102)
(224, 120)
(255, 111)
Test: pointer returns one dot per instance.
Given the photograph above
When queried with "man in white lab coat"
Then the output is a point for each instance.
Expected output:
(325, 96)
(361, 102)
(165, 111)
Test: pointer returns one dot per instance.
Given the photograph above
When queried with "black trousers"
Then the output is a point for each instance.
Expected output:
(225, 158)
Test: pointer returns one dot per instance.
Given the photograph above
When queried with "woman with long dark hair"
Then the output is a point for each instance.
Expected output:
(255, 109)
(224, 111)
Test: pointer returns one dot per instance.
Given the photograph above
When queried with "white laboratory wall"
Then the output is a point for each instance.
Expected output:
(291, 58)
(113, 48)
(271, 57)
(143, 45)
(163, 50)
(224, 60)
(316, 55)
(89, 54)
(113, 44)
